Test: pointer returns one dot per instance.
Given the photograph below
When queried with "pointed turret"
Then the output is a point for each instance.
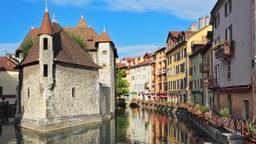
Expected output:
(82, 22)
(46, 26)
(104, 37)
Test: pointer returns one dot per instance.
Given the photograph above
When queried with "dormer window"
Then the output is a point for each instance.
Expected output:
(45, 43)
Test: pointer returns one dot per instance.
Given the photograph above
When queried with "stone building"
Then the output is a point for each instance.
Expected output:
(60, 84)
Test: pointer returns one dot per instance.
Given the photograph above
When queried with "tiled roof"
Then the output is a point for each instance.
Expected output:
(6, 64)
(46, 26)
(82, 22)
(86, 33)
(33, 34)
(104, 37)
(65, 50)
(144, 63)
(121, 65)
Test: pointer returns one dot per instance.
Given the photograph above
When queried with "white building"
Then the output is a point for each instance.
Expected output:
(140, 83)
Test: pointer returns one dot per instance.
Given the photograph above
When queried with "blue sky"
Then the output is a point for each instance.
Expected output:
(135, 26)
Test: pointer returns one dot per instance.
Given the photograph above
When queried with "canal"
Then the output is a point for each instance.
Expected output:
(129, 126)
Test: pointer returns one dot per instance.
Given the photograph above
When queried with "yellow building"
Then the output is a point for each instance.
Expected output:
(178, 64)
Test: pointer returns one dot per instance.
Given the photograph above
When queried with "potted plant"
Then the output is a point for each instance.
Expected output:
(224, 115)
(250, 129)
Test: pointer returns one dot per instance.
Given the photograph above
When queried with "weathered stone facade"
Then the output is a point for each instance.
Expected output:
(61, 86)
(61, 104)
(106, 59)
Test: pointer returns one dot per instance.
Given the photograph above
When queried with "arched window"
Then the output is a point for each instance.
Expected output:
(28, 93)
(73, 92)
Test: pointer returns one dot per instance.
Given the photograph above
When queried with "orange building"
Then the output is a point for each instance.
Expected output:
(158, 66)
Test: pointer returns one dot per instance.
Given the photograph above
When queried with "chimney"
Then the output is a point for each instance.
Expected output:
(193, 27)
(201, 22)
(207, 20)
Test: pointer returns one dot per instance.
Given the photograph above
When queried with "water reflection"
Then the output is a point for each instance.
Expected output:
(145, 126)
(130, 126)
(101, 133)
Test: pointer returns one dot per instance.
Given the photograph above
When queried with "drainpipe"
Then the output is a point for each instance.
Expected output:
(253, 55)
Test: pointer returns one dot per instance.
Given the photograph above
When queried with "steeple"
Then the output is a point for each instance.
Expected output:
(46, 6)
(82, 22)
(46, 26)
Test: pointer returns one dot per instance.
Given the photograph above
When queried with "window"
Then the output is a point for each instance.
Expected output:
(104, 52)
(45, 43)
(45, 70)
(217, 21)
(1, 91)
(228, 33)
(229, 71)
(28, 93)
(228, 8)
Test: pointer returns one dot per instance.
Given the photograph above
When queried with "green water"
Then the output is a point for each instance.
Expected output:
(129, 126)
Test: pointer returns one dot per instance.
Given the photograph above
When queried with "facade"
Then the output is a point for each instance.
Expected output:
(140, 83)
(158, 65)
(60, 85)
(198, 96)
(8, 79)
(233, 56)
(207, 70)
(177, 66)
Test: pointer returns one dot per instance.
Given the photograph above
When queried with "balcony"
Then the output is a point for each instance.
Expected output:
(224, 50)
(206, 68)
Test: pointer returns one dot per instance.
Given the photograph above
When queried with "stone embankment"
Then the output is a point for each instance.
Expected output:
(202, 121)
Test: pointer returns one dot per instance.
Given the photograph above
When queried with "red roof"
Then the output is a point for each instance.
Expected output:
(7, 64)
(65, 50)
(46, 27)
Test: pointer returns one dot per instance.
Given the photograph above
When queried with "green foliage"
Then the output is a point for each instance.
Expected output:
(26, 46)
(78, 40)
(224, 113)
(121, 84)
(204, 109)
(250, 127)
(197, 107)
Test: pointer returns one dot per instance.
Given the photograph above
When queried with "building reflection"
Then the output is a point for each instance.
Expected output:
(155, 128)
(100, 133)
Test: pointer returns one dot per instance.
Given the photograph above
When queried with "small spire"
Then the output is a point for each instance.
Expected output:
(46, 6)
(82, 22)
(53, 18)
(104, 29)
(32, 27)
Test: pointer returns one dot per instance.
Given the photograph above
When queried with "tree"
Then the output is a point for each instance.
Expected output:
(26, 46)
(121, 84)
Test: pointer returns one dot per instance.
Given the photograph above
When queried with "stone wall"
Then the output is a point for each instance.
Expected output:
(86, 97)
(104, 100)
(106, 60)
(33, 105)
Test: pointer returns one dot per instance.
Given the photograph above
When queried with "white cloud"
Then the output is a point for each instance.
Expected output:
(188, 9)
(8, 48)
(136, 50)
